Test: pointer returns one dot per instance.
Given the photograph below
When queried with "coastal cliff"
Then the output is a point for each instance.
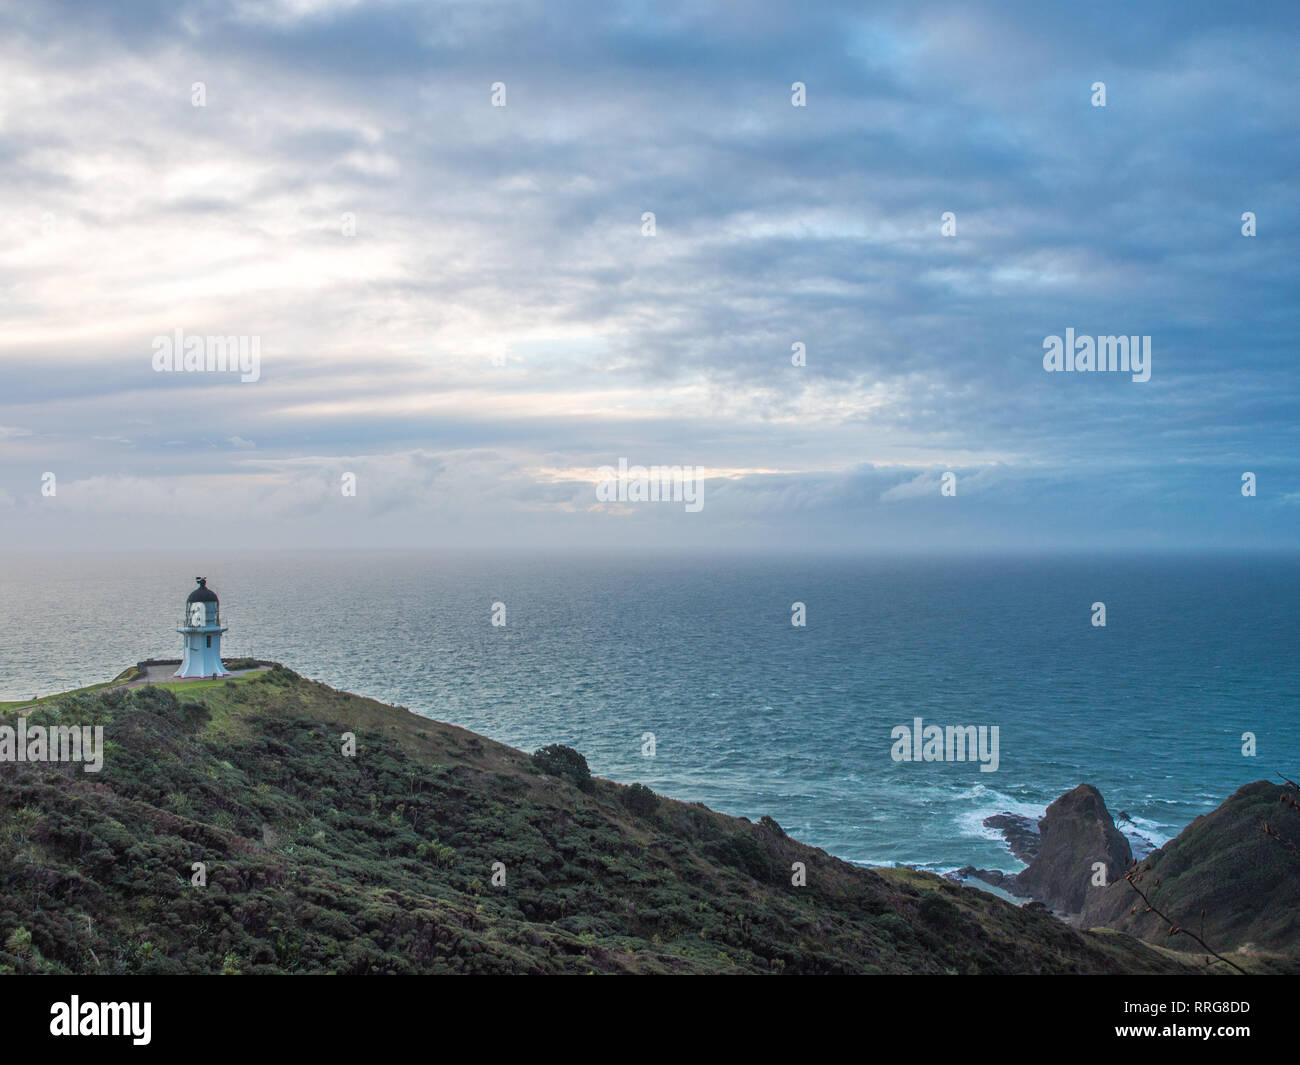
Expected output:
(1232, 876)
(230, 830)
(1225, 876)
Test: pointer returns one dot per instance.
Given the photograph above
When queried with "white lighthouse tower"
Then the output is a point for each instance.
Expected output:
(202, 631)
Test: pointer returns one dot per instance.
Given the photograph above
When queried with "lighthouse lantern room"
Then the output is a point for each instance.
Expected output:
(201, 632)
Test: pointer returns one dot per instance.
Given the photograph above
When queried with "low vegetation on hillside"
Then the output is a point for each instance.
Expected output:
(392, 860)
(1225, 877)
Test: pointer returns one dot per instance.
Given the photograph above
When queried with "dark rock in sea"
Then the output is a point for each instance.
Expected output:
(995, 877)
(1076, 833)
(1021, 834)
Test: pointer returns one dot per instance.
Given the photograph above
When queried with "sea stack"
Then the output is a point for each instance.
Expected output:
(1076, 837)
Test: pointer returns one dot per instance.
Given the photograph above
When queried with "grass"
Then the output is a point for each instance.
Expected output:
(126, 676)
(23, 704)
(189, 690)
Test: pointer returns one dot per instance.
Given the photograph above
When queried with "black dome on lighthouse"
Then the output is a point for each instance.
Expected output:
(202, 594)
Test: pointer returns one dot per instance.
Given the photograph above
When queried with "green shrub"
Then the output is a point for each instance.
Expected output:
(19, 942)
(158, 700)
(894, 926)
(557, 760)
(937, 911)
(639, 799)
(743, 853)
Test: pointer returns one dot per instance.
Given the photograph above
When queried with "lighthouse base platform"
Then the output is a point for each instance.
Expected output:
(163, 671)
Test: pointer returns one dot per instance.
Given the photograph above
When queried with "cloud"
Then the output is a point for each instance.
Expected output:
(449, 295)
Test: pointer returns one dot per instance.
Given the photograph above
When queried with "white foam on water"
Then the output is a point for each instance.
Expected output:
(892, 863)
(1153, 832)
(970, 822)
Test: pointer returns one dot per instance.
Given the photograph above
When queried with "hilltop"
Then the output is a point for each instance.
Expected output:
(383, 862)
(1225, 865)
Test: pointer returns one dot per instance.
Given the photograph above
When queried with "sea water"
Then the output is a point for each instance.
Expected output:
(696, 659)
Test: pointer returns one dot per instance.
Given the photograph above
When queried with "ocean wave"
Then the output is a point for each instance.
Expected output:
(970, 823)
(1139, 829)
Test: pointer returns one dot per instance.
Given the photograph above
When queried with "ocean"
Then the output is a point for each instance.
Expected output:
(750, 714)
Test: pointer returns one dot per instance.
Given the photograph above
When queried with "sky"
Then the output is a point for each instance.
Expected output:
(432, 223)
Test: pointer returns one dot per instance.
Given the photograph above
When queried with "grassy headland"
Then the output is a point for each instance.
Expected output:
(383, 862)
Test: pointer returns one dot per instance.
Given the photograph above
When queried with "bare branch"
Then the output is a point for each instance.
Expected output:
(1174, 928)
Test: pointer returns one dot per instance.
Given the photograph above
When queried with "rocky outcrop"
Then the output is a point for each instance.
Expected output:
(993, 877)
(1232, 876)
(1075, 834)
(1021, 834)
(1224, 876)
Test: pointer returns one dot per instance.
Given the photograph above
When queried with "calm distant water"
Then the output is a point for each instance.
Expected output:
(751, 715)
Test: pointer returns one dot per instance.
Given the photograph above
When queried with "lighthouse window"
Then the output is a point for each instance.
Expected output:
(209, 641)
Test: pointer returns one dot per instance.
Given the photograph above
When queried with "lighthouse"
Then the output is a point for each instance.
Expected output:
(202, 631)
